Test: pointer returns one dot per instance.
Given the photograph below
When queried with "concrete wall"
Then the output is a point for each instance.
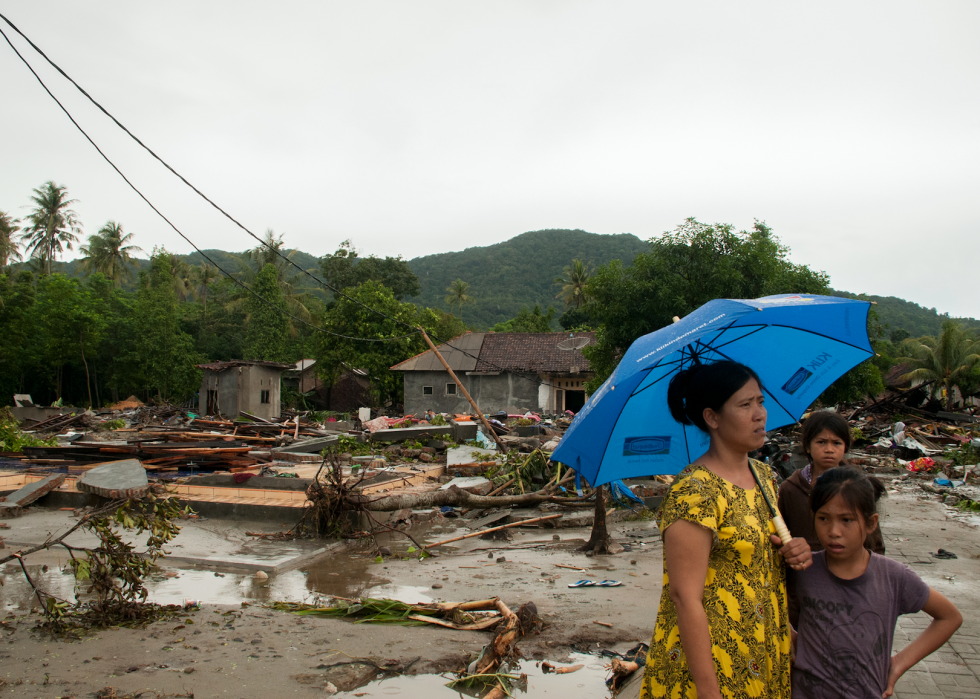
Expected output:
(254, 380)
(505, 391)
(239, 388)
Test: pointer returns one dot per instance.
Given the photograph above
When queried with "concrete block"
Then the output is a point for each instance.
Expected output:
(13, 504)
(463, 431)
(116, 480)
(473, 484)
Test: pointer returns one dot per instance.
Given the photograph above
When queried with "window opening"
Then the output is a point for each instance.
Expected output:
(265, 396)
(450, 389)
(427, 390)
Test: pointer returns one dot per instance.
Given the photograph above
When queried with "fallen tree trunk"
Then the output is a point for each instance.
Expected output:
(455, 497)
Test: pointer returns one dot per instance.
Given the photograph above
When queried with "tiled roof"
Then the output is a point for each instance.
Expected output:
(532, 352)
(221, 366)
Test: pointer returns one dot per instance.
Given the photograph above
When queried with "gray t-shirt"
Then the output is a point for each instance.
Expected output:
(846, 627)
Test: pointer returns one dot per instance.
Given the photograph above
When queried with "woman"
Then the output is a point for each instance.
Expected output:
(722, 628)
(826, 438)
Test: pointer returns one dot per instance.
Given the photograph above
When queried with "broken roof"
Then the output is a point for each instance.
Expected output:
(491, 352)
(221, 366)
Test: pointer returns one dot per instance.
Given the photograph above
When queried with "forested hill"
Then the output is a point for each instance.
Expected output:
(518, 272)
(899, 314)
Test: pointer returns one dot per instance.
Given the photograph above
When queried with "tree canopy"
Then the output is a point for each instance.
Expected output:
(682, 270)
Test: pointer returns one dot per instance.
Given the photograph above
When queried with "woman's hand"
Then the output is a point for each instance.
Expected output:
(796, 553)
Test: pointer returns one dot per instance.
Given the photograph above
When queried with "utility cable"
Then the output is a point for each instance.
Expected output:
(171, 224)
(231, 218)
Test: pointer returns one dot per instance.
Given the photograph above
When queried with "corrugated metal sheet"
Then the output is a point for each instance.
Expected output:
(452, 352)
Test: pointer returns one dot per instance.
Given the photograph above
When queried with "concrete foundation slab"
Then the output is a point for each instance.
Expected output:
(13, 504)
(115, 480)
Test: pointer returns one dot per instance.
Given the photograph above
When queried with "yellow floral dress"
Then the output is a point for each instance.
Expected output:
(744, 593)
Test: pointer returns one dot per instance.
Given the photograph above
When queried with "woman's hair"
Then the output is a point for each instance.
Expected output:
(860, 492)
(825, 420)
(703, 386)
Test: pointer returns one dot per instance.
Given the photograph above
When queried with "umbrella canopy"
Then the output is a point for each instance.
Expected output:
(797, 344)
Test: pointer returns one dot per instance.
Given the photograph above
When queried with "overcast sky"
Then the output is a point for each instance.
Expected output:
(853, 129)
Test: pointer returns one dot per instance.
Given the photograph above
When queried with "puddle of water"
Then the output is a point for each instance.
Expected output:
(587, 683)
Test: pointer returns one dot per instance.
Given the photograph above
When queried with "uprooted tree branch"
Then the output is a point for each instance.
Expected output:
(112, 572)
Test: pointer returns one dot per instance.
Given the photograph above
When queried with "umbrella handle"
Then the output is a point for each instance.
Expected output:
(781, 531)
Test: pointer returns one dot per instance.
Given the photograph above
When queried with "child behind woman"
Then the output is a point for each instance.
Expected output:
(851, 598)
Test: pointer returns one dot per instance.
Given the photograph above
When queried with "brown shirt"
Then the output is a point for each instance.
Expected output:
(794, 506)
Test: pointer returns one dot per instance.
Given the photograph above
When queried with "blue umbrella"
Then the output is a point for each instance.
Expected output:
(797, 344)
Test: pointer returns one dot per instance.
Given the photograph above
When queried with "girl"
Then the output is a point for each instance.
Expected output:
(722, 629)
(826, 439)
(851, 599)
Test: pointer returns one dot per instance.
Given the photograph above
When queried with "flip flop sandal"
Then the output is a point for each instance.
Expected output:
(609, 583)
(584, 583)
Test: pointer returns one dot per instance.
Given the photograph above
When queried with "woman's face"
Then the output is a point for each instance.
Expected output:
(741, 422)
(826, 451)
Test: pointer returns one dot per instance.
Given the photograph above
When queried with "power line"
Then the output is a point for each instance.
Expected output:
(221, 210)
(171, 224)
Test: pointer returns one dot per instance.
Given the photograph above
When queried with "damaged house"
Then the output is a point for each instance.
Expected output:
(231, 388)
(516, 372)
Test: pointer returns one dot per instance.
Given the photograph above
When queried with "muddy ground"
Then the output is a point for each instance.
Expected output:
(226, 649)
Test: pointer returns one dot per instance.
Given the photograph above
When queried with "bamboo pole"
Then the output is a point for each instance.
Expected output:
(492, 529)
(466, 393)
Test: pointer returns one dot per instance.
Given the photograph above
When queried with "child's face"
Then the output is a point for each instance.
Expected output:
(841, 530)
(826, 451)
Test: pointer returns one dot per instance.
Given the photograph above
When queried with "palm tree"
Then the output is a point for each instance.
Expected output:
(9, 249)
(107, 252)
(272, 251)
(53, 227)
(457, 295)
(573, 284)
(180, 272)
(204, 276)
(946, 360)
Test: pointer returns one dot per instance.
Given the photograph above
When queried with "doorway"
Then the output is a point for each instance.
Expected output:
(574, 400)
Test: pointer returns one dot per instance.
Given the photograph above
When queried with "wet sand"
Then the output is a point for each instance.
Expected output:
(226, 650)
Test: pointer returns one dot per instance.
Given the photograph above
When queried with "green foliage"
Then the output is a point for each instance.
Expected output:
(107, 252)
(9, 250)
(265, 326)
(865, 380)
(13, 440)
(905, 319)
(335, 354)
(528, 322)
(683, 270)
(164, 353)
(457, 294)
(948, 360)
(346, 269)
(573, 284)
(113, 572)
(518, 272)
(438, 420)
(51, 227)
(966, 455)
(113, 424)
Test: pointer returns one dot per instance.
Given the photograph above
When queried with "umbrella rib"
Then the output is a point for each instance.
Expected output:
(813, 332)
(766, 390)
(740, 337)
